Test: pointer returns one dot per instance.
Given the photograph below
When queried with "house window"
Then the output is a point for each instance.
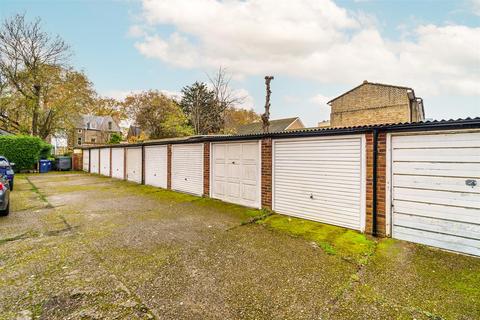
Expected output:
(110, 126)
(93, 140)
(88, 125)
(79, 141)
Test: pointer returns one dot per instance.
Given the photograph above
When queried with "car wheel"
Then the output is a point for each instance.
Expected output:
(6, 211)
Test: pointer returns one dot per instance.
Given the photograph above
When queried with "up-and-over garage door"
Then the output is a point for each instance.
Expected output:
(235, 172)
(156, 166)
(105, 161)
(134, 164)
(86, 159)
(187, 168)
(320, 179)
(118, 159)
(94, 161)
(436, 190)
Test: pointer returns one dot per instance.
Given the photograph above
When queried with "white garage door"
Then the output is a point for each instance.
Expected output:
(156, 166)
(321, 179)
(94, 165)
(187, 168)
(436, 190)
(235, 173)
(86, 158)
(105, 162)
(118, 163)
(134, 164)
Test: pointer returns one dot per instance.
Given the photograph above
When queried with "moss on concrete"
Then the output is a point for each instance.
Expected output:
(333, 240)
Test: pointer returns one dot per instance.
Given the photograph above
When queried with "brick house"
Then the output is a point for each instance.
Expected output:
(376, 103)
(93, 130)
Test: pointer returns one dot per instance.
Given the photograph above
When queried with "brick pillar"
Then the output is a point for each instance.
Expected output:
(169, 166)
(206, 169)
(267, 173)
(381, 183)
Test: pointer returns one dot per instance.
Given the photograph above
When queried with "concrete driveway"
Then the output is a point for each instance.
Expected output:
(79, 246)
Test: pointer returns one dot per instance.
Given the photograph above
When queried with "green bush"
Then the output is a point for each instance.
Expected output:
(115, 138)
(25, 151)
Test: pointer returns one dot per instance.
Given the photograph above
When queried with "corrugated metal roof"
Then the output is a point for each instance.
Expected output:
(405, 126)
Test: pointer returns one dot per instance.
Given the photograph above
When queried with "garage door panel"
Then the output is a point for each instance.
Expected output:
(94, 166)
(432, 203)
(86, 160)
(220, 170)
(234, 151)
(467, 215)
(469, 200)
(233, 190)
(241, 160)
(105, 161)
(455, 228)
(437, 169)
(433, 183)
(134, 164)
(220, 188)
(471, 139)
(437, 155)
(250, 152)
(250, 173)
(234, 171)
(156, 166)
(187, 168)
(118, 159)
(320, 179)
(448, 242)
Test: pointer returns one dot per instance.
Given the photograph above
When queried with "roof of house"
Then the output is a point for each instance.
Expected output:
(365, 82)
(275, 126)
(98, 123)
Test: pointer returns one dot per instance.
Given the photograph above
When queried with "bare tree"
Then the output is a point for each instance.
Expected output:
(266, 115)
(24, 51)
(225, 96)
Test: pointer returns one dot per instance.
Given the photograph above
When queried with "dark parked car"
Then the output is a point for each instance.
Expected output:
(4, 193)
(6, 169)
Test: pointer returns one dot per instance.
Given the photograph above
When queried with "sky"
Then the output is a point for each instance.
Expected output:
(315, 49)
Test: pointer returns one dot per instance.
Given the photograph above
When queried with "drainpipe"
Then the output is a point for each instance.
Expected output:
(374, 182)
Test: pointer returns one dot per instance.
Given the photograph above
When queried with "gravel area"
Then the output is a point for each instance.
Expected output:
(79, 246)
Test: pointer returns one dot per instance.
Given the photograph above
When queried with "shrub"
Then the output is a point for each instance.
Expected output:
(115, 138)
(25, 151)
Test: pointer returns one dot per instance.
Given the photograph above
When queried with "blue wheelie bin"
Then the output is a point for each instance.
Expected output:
(44, 166)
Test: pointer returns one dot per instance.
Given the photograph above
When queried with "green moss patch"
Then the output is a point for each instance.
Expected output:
(347, 243)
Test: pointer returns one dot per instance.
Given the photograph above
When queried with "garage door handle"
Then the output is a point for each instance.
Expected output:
(185, 179)
(311, 196)
(233, 162)
(471, 183)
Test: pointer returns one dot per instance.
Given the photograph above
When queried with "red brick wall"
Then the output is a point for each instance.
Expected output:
(266, 173)
(169, 166)
(381, 181)
(206, 169)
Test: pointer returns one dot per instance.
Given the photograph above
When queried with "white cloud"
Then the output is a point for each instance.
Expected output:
(320, 100)
(310, 39)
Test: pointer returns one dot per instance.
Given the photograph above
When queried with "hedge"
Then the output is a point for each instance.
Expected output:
(25, 151)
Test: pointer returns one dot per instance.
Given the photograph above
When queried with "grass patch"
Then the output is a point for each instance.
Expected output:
(334, 240)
